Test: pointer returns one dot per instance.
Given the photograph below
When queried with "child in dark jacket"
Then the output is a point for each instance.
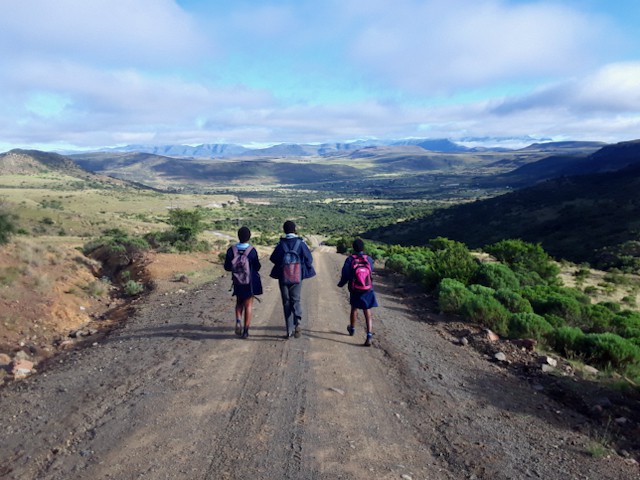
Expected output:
(361, 295)
(291, 293)
(244, 293)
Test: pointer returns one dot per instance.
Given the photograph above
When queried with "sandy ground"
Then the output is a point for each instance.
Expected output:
(174, 393)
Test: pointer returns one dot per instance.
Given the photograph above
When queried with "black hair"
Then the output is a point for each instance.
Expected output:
(358, 245)
(289, 227)
(244, 234)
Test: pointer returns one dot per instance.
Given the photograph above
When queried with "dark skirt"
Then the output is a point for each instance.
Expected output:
(364, 300)
(246, 291)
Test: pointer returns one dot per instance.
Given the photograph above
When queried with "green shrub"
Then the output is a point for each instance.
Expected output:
(598, 318)
(452, 259)
(132, 288)
(513, 301)
(528, 325)
(452, 295)
(187, 224)
(487, 311)
(496, 276)
(7, 227)
(555, 302)
(609, 349)
(566, 340)
(396, 263)
(481, 290)
(525, 257)
(554, 320)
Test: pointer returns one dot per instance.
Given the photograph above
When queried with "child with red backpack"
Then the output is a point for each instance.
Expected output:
(243, 263)
(356, 272)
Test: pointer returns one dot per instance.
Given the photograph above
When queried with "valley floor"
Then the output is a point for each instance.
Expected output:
(175, 394)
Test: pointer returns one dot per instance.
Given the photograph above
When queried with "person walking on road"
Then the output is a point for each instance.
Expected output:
(356, 273)
(243, 263)
(293, 263)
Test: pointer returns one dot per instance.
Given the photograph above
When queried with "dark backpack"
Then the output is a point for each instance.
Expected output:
(291, 266)
(240, 268)
(360, 274)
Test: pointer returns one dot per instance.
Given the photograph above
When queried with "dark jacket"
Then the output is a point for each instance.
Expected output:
(255, 287)
(306, 259)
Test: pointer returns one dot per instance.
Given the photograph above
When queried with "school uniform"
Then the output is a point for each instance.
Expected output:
(255, 286)
(361, 300)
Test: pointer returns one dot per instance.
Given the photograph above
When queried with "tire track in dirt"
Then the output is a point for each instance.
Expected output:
(175, 394)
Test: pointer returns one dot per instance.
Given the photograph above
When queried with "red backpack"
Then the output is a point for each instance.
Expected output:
(360, 273)
(291, 264)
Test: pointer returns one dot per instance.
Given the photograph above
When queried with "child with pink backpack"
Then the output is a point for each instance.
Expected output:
(356, 273)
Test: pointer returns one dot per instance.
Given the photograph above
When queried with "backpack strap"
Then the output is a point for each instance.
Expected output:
(295, 248)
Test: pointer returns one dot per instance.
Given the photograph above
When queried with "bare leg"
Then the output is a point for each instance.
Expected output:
(239, 308)
(353, 317)
(369, 319)
(248, 312)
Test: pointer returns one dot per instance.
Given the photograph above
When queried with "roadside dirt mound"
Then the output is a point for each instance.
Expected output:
(52, 297)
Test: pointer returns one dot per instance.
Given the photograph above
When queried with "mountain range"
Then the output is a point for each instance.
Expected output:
(229, 150)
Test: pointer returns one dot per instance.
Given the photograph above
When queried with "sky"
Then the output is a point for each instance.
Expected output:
(78, 74)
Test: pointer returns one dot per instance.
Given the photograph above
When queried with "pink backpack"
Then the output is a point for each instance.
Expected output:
(360, 274)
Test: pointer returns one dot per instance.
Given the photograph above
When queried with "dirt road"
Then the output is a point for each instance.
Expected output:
(175, 394)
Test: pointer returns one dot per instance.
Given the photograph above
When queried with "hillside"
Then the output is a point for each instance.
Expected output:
(27, 162)
(569, 162)
(572, 217)
(35, 162)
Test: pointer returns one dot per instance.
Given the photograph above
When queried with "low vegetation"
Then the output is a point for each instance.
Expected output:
(520, 296)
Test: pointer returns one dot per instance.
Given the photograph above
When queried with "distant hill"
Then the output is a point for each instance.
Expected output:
(33, 162)
(572, 217)
(113, 162)
(559, 146)
(577, 162)
(26, 162)
(162, 172)
(442, 145)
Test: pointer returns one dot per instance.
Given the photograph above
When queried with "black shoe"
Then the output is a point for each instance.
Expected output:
(238, 329)
(367, 342)
(245, 333)
(297, 332)
(351, 330)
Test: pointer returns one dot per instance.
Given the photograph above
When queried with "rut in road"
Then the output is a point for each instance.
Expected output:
(175, 394)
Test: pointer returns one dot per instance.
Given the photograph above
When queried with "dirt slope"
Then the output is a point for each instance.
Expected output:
(174, 394)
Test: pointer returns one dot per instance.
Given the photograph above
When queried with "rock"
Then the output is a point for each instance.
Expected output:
(337, 390)
(66, 344)
(5, 360)
(528, 344)
(547, 368)
(621, 420)
(546, 360)
(500, 357)
(491, 336)
(21, 368)
(21, 355)
(464, 341)
(184, 279)
(590, 370)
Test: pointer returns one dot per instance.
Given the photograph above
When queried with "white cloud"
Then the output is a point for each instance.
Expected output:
(105, 32)
(443, 46)
(613, 88)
